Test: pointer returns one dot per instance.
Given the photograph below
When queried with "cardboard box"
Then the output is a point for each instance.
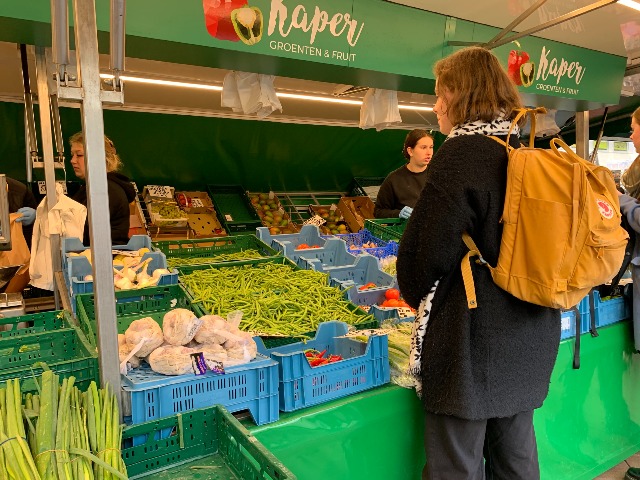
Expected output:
(355, 210)
(194, 202)
(322, 211)
(205, 225)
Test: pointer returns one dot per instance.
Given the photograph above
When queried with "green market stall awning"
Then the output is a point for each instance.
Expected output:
(361, 42)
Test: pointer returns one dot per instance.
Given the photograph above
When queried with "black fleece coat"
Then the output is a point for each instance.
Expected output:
(495, 360)
(121, 194)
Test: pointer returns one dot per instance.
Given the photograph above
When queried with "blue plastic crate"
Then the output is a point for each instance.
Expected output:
(252, 386)
(568, 320)
(365, 366)
(355, 242)
(364, 270)
(393, 314)
(79, 267)
(309, 234)
(74, 244)
(612, 310)
(333, 254)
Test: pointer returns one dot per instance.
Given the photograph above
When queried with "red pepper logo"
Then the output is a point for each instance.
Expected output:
(605, 208)
(516, 59)
(217, 17)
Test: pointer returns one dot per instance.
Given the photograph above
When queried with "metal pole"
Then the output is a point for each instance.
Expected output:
(524, 15)
(29, 121)
(117, 40)
(60, 37)
(97, 192)
(562, 18)
(47, 151)
(582, 134)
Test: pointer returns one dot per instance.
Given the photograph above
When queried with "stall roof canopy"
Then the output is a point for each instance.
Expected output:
(360, 42)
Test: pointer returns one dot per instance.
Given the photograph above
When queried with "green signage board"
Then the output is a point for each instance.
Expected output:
(542, 67)
(341, 37)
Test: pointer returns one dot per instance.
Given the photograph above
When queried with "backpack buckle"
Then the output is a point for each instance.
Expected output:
(480, 260)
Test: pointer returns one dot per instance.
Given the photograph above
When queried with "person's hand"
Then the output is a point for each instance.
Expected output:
(405, 212)
(28, 215)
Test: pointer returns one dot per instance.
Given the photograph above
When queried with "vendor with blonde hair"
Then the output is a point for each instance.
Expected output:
(120, 189)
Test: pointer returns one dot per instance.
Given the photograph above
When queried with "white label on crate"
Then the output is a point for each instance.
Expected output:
(42, 186)
(565, 324)
(160, 191)
(228, 217)
(196, 203)
(315, 220)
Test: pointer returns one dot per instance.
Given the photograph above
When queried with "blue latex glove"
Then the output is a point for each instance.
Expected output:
(28, 215)
(405, 212)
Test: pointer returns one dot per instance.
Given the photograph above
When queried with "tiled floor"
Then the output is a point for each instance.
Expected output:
(617, 472)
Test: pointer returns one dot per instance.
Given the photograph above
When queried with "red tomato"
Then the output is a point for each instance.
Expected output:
(392, 294)
(393, 303)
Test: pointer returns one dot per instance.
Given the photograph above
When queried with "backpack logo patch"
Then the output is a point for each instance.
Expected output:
(606, 210)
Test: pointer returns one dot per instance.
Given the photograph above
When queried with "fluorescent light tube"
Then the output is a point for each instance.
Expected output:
(204, 86)
(630, 4)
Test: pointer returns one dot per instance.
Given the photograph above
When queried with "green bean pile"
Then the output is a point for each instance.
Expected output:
(248, 254)
(275, 299)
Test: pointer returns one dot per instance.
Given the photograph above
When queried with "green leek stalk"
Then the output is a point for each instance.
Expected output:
(46, 426)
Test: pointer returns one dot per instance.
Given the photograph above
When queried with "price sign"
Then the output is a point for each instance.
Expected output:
(315, 220)
(42, 187)
(197, 203)
(159, 191)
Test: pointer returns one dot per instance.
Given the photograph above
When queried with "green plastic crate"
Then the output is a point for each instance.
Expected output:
(211, 247)
(154, 303)
(210, 441)
(34, 323)
(47, 341)
(386, 228)
(234, 208)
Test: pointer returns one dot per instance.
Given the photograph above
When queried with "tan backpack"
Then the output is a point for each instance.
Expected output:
(561, 234)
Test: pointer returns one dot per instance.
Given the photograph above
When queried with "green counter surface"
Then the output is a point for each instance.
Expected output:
(589, 422)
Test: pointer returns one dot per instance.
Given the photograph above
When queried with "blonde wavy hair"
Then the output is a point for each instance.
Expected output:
(481, 88)
(111, 156)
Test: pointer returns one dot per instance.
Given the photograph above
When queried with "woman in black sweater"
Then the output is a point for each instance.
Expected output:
(400, 190)
(480, 372)
(120, 190)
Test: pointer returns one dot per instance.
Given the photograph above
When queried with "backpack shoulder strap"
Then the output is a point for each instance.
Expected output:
(467, 274)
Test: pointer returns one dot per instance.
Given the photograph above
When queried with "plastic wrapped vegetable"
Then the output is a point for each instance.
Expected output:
(180, 326)
(241, 349)
(209, 330)
(146, 332)
(124, 351)
(171, 360)
(212, 352)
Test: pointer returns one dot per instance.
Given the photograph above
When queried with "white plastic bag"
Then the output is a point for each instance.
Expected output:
(171, 360)
(179, 326)
(147, 331)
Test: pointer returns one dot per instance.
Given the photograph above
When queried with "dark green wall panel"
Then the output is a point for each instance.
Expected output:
(189, 152)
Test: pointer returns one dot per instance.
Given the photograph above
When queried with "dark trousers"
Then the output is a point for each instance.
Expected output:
(455, 448)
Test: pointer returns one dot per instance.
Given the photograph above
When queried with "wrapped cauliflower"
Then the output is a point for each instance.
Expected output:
(209, 331)
(171, 360)
(145, 332)
(212, 353)
(124, 352)
(241, 349)
(180, 326)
